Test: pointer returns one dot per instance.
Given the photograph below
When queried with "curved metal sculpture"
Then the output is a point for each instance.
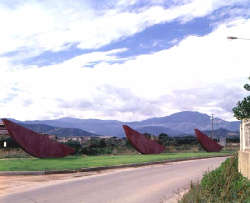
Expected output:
(141, 143)
(36, 144)
(207, 143)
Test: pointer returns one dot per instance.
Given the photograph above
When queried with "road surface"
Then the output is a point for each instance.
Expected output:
(157, 183)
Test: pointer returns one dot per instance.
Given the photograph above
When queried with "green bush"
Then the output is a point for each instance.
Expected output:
(224, 184)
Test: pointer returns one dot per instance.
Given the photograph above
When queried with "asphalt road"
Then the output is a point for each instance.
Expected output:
(158, 183)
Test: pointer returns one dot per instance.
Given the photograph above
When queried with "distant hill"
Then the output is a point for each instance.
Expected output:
(95, 126)
(61, 132)
(176, 124)
(222, 133)
(156, 130)
(186, 121)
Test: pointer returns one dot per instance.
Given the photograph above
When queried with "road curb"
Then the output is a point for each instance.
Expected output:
(15, 173)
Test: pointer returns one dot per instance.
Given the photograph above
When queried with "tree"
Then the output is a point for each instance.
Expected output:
(247, 86)
(164, 139)
(242, 110)
(74, 144)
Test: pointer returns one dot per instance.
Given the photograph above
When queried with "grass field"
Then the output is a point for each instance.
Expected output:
(76, 162)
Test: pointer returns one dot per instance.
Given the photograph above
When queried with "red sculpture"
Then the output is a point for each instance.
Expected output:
(141, 143)
(36, 144)
(207, 143)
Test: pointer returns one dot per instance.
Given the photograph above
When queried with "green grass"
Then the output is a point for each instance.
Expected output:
(223, 185)
(76, 162)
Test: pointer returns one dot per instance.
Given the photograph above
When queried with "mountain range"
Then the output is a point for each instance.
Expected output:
(62, 132)
(177, 124)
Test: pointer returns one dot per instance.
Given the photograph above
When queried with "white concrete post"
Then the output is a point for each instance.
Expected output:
(246, 135)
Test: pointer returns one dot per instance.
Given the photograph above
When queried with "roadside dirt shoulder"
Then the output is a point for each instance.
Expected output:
(21, 183)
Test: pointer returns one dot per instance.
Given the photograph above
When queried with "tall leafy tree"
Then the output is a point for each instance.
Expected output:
(242, 110)
(247, 86)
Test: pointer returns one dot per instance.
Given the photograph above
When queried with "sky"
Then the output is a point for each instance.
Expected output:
(124, 60)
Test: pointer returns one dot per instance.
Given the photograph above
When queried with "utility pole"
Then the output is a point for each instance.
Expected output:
(212, 123)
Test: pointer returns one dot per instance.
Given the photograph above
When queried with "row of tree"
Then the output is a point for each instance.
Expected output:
(98, 145)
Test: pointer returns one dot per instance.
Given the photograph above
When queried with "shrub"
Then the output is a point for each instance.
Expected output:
(224, 184)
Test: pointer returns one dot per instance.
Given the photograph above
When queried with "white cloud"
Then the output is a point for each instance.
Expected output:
(34, 26)
(149, 85)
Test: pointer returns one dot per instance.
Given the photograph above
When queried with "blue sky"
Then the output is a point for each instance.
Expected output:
(124, 60)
